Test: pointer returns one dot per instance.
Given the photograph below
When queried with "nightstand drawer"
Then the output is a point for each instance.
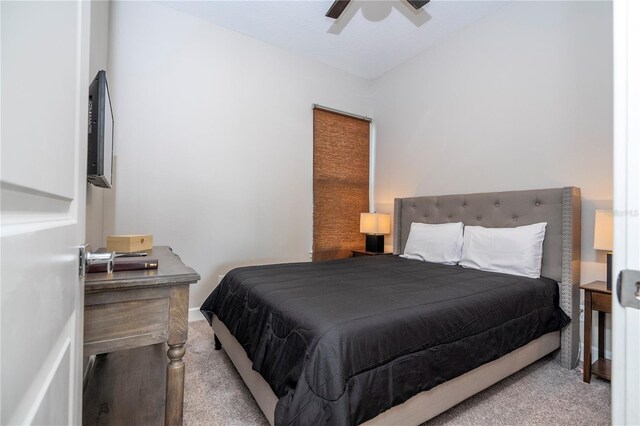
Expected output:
(601, 302)
(125, 325)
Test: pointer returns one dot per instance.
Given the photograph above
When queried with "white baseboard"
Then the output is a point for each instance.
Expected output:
(195, 314)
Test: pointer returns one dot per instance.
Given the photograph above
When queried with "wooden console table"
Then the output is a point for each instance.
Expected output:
(132, 309)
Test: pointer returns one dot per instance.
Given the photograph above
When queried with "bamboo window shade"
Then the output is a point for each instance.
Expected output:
(340, 183)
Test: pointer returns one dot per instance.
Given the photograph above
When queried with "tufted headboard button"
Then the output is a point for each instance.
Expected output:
(497, 204)
(537, 203)
(478, 218)
(515, 218)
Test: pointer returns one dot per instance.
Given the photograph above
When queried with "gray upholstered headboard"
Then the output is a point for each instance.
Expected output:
(559, 207)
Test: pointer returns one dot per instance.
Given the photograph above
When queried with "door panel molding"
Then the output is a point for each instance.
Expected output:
(22, 205)
(58, 361)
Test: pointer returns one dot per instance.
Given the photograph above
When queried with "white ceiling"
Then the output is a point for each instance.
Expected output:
(370, 37)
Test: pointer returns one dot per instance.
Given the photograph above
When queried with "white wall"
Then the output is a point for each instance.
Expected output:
(522, 99)
(519, 100)
(213, 139)
(98, 56)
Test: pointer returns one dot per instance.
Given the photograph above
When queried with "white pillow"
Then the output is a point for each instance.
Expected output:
(516, 251)
(441, 243)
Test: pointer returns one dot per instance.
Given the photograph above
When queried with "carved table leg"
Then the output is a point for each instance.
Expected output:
(175, 385)
(217, 343)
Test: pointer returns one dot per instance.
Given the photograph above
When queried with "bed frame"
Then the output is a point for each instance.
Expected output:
(559, 207)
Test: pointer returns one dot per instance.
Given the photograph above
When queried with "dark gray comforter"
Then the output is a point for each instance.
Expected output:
(341, 341)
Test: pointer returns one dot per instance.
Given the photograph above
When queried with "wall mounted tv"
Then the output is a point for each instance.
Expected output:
(100, 149)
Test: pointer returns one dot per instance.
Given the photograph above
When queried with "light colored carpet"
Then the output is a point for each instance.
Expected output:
(541, 394)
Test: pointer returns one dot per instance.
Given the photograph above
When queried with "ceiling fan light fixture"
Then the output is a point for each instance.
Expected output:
(417, 4)
(337, 8)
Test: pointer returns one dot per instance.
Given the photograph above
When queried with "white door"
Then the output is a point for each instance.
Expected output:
(42, 182)
(626, 253)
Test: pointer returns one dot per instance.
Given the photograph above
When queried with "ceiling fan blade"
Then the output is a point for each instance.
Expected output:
(417, 4)
(337, 8)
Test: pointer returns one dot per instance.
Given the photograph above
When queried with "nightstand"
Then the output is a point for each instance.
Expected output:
(357, 253)
(135, 316)
(596, 298)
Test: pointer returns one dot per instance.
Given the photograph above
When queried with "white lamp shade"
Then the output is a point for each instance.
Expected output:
(603, 230)
(375, 223)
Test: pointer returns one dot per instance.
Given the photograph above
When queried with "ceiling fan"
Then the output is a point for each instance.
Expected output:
(338, 7)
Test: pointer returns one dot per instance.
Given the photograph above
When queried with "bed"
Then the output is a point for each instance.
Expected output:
(386, 340)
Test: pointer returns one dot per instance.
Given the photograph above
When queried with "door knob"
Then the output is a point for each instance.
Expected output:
(88, 258)
(628, 286)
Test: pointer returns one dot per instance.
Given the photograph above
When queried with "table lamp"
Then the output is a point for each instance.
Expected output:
(603, 237)
(375, 225)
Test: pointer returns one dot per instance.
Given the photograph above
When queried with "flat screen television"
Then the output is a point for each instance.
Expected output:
(100, 149)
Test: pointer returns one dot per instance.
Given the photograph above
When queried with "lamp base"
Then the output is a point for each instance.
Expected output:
(375, 243)
(609, 267)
